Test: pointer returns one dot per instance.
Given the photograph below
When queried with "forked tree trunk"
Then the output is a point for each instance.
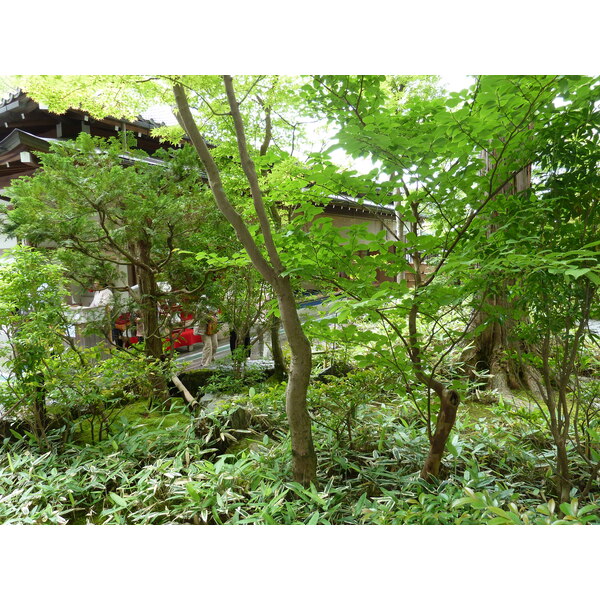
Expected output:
(149, 309)
(271, 268)
(449, 399)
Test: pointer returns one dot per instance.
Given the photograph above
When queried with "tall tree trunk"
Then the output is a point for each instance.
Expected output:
(149, 309)
(445, 421)
(304, 459)
(271, 268)
(496, 349)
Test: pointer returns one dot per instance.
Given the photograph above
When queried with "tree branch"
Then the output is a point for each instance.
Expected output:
(186, 120)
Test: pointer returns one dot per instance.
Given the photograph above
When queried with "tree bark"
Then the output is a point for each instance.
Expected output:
(449, 399)
(445, 421)
(304, 460)
(495, 348)
(494, 351)
(149, 306)
(276, 351)
(149, 309)
(563, 478)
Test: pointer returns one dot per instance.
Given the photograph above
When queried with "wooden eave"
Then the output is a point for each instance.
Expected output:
(22, 140)
(352, 207)
(18, 106)
(21, 112)
(13, 149)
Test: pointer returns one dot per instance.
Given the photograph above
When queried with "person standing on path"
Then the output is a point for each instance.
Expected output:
(209, 335)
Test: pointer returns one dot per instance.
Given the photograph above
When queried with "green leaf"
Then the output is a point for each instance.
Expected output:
(461, 502)
(500, 512)
(192, 492)
(314, 518)
(118, 500)
(567, 509)
(586, 509)
(576, 273)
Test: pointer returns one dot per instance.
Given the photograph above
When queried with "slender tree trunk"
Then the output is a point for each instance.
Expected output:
(449, 399)
(149, 309)
(40, 411)
(278, 361)
(240, 351)
(445, 422)
(563, 477)
(304, 459)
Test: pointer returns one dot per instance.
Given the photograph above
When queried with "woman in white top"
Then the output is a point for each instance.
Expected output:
(102, 296)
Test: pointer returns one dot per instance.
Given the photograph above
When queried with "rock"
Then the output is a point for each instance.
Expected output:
(240, 419)
(335, 370)
(194, 381)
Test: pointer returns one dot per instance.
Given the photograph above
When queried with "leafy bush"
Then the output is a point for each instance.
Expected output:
(157, 470)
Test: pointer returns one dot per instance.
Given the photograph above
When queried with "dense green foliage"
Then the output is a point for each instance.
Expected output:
(491, 273)
(156, 469)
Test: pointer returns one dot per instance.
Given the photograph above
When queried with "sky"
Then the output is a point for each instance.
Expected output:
(453, 83)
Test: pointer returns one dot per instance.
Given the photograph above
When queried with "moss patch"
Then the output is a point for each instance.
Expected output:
(476, 411)
(137, 415)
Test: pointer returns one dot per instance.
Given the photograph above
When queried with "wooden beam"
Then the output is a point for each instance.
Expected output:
(28, 159)
(41, 121)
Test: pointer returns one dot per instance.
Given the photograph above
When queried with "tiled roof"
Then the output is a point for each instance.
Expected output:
(147, 120)
(10, 97)
(361, 204)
